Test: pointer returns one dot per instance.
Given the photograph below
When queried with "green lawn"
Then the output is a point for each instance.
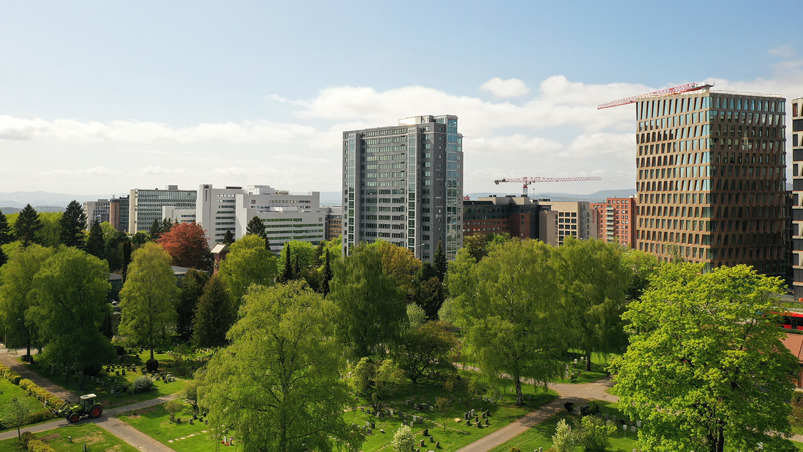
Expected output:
(95, 437)
(155, 422)
(599, 364)
(103, 390)
(457, 434)
(9, 391)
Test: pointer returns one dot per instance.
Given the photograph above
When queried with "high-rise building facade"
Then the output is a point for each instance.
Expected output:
(711, 179)
(797, 197)
(145, 205)
(616, 220)
(514, 215)
(404, 184)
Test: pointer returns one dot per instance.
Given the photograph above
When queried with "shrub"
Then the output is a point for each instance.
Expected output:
(404, 439)
(594, 432)
(26, 436)
(36, 445)
(564, 439)
(13, 377)
(142, 384)
(26, 384)
(152, 365)
(39, 416)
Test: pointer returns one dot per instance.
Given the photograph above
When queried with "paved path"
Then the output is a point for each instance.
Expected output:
(9, 358)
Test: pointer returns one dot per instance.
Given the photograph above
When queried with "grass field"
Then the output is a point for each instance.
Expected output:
(9, 391)
(96, 438)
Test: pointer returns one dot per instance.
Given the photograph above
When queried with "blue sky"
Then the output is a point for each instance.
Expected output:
(97, 97)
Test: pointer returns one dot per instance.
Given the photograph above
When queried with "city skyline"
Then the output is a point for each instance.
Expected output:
(99, 98)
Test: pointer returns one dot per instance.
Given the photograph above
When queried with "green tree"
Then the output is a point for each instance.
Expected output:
(3, 257)
(377, 382)
(439, 262)
(564, 438)
(594, 433)
(214, 315)
(17, 415)
(327, 275)
(156, 230)
(593, 282)
(16, 298)
(72, 225)
(228, 237)
(247, 263)
(95, 245)
(27, 225)
(140, 238)
(705, 367)
(256, 227)
(148, 298)
(192, 287)
(416, 316)
(426, 351)
(642, 265)
(301, 253)
(403, 439)
(510, 311)
(126, 258)
(371, 308)
(430, 295)
(286, 273)
(278, 384)
(49, 234)
(70, 308)
(6, 235)
(400, 264)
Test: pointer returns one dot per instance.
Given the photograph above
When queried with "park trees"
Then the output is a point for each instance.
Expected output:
(508, 305)
(426, 350)
(27, 225)
(69, 309)
(705, 367)
(72, 225)
(278, 384)
(192, 287)
(377, 381)
(593, 282)
(95, 244)
(16, 287)
(371, 308)
(186, 244)
(247, 263)
(214, 315)
(5, 230)
(148, 298)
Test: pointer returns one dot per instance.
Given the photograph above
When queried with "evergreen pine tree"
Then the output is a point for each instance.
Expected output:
(228, 238)
(156, 229)
(327, 275)
(5, 230)
(72, 225)
(27, 225)
(440, 261)
(192, 287)
(214, 315)
(287, 271)
(256, 227)
(95, 244)
(126, 258)
(3, 257)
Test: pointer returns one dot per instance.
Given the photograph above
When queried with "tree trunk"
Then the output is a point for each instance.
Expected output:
(30, 357)
(151, 352)
(588, 361)
(721, 440)
(519, 395)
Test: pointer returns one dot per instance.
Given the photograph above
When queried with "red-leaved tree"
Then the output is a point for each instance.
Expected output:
(186, 244)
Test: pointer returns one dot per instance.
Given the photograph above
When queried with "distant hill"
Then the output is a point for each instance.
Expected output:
(598, 196)
(40, 198)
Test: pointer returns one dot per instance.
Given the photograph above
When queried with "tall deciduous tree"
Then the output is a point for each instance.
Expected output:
(186, 244)
(192, 287)
(214, 315)
(247, 263)
(593, 282)
(5, 230)
(27, 225)
(426, 351)
(72, 225)
(16, 286)
(706, 368)
(49, 234)
(70, 308)
(278, 384)
(148, 298)
(95, 245)
(371, 308)
(510, 311)
(378, 381)
(400, 264)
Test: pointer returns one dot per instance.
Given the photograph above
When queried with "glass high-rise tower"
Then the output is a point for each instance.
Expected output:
(711, 179)
(404, 184)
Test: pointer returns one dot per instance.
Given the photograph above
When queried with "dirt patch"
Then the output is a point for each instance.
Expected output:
(48, 437)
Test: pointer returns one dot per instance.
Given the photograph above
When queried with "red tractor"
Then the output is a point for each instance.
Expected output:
(86, 407)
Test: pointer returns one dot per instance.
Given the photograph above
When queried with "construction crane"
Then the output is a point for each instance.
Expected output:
(664, 92)
(530, 180)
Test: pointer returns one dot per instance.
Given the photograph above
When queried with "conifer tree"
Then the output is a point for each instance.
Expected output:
(27, 225)
(156, 229)
(327, 275)
(5, 230)
(228, 238)
(214, 315)
(72, 226)
(95, 245)
(287, 271)
(440, 261)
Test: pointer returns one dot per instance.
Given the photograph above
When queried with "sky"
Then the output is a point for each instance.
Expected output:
(99, 97)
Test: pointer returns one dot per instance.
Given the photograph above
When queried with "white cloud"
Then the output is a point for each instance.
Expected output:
(504, 89)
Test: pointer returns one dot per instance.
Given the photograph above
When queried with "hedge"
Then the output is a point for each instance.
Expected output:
(40, 393)
(10, 375)
(36, 445)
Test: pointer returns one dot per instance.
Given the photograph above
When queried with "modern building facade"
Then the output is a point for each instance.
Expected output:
(514, 215)
(334, 222)
(616, 220)
(96, 212)
(561, 219)
(404, 184)
(118, 213)
(286, 217)
(711, 179)
(797, 197)
(145, 205)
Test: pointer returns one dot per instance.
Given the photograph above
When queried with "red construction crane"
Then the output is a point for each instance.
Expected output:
(664, 92)
(530, 180)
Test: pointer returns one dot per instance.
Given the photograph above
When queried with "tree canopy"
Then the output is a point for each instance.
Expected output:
(72, 225)
(705, 367)
(192, 287)
(278, 384)
(95, 245)
(6, 236)
(247, 263)
(148, 298)
(214, 315)
(186, 244)
(27, 225)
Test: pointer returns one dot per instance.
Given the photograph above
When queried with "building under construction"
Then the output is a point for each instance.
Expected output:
(711, 177)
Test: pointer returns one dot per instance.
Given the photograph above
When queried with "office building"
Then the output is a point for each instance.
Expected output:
(145, 205)
(616, 220)
(797, 197)
(96, 212)
(404, 184)
(561, 219)
(118, 213)
(517, 216)
(334, 222)
(711, 178)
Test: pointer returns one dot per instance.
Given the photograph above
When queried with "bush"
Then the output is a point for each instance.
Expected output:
(40, 416)
(35, 445)
(26, 384)
(26, 436)
(142, 384)
(564, 439)
(594, 432)
(152, 365)
(404, 439)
